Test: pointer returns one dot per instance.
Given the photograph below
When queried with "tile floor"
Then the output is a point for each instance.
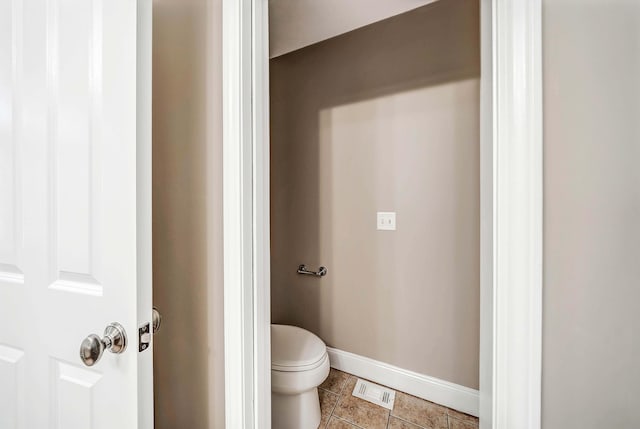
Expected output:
(341, 410)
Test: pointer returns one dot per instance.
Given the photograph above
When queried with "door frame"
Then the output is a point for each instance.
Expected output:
(511, 214)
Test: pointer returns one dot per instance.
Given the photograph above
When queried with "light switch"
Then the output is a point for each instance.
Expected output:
(387, 221)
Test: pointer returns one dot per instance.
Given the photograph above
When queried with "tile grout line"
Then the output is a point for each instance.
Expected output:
(344, 384)
(412, 423)
(333, 408)
(336, 406)
(349, 422)
(339, 395)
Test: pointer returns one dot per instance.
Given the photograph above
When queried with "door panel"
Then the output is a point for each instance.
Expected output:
(9, 209)
(75, 183)
(12, 382)
(75, 396)
(73, 174)
(12, 356)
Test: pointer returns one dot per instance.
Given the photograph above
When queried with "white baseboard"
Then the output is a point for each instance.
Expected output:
(432, 389)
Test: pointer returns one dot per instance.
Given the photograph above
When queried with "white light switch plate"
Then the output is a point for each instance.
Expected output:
(387, 221)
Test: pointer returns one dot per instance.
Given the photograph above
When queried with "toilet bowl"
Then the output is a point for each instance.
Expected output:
(299, 364)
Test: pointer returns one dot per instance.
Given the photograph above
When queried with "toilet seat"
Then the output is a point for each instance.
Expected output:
(300, 368)
(294, 349)
(293, 382)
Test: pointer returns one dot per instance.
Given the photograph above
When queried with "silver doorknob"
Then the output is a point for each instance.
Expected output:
(156, 319)
(114, 340)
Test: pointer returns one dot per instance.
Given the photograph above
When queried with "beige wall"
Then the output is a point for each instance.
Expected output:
(187, 214)
(295, 24)
(385, 118)
(591, 337)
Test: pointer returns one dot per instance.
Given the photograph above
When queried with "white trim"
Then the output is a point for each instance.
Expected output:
(144, 192)
(432, 389)
(247, 314)
(262, 208)
(238, 194)
(511, 224)
(517, 214)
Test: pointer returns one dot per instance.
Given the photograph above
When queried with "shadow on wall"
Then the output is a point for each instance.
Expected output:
(187, 224)
(384, 118)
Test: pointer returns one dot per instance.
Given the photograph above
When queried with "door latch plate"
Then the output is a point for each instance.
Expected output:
(144, 337)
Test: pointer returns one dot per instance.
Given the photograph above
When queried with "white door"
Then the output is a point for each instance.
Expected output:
(75, 212)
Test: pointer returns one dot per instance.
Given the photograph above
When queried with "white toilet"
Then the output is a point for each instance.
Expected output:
(299, 364)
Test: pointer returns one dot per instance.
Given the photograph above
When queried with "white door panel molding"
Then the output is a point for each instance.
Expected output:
(75, 220)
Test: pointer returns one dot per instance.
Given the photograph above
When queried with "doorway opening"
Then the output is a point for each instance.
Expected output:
(381, 120)
(510, 214)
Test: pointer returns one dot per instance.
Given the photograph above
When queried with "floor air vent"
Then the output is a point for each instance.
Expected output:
(375, 394)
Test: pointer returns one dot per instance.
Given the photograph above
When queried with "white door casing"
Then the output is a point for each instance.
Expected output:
(75, 211)
(511, 224)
